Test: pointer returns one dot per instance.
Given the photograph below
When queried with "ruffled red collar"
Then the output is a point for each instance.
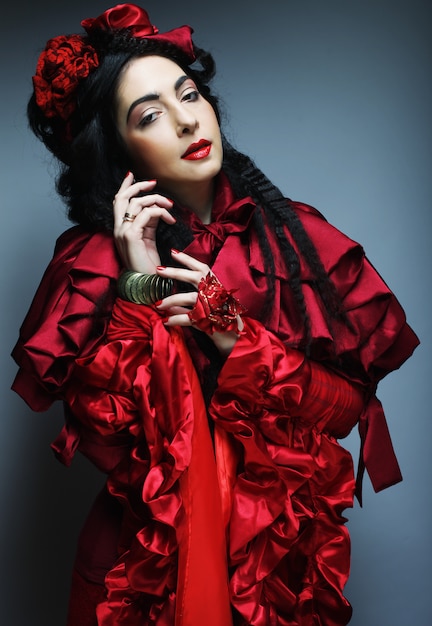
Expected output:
(229, 215)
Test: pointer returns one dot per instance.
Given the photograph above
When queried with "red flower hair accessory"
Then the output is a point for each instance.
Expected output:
(216, 309)
(63, 63)
(67, 60)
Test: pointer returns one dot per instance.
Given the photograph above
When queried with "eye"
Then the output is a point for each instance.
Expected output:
(149, 118)
(191, 95)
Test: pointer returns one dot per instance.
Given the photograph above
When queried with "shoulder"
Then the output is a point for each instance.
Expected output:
(83, 253)
(333, 246)
(73, 242)
(304, 210)
(59, 325)
(82, 261)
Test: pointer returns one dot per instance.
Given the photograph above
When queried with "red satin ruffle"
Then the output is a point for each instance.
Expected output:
(288, 546)
(283, 478)
(168, 483)
(60, 323)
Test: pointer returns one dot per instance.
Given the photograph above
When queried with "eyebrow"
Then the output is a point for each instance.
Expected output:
(154, 96)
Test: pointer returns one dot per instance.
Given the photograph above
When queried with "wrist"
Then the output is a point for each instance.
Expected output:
(225, 341)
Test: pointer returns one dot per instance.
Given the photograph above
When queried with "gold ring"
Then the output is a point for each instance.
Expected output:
(128, 217)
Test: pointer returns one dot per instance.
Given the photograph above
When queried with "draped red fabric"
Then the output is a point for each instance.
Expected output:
(133, 407)
(59, 324)
(379, 341)
(288, 548)
(172, 466)
(201, 599)
(287, 541)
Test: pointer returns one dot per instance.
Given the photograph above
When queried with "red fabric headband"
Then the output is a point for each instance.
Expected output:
(68, 59)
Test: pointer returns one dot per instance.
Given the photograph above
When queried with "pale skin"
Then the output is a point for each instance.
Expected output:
(160, 115)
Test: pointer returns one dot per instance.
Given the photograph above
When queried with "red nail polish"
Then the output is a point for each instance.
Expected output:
(158, 303)
(161, 267)
(174, 251)
(128, 174)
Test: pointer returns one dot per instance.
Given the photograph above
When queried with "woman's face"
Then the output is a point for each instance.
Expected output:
(170, 130)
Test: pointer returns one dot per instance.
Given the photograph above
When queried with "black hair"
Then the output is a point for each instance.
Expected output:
(94, 162)
(92, 158)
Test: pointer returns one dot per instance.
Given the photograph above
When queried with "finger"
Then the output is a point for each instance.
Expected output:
(193, 277)
(187, 299)
(137, 206)
(133, 223)
(181, 319)
(190, 262)
(138, 203)
(126, 183)
(177, 310)
(130, 188)
(129, 200)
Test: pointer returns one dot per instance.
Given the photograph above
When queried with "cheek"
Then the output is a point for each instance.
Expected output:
(145, 156)
(212, 119)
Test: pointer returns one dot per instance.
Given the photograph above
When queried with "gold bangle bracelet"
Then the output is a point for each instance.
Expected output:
(143, 288)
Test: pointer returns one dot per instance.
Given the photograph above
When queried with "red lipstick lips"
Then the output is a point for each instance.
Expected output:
(198, 150)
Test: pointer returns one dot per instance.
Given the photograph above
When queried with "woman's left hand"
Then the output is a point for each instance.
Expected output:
(177, 306)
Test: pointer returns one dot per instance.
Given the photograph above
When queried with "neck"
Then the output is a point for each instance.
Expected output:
(199, 199)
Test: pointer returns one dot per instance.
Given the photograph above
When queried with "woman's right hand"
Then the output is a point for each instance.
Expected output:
(135, 237)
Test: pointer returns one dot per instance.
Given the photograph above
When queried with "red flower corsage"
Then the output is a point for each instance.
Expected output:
(64, 62)
(216, 309)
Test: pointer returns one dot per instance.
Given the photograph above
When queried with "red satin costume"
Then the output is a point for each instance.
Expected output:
(230, 513)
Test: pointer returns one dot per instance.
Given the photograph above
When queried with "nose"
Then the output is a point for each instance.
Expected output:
(186, 121)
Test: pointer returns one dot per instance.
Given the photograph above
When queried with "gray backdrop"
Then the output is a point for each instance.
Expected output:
(333, 100)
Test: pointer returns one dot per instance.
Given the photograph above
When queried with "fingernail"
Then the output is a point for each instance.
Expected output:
(128, 174)
(174, 251)
(153, 180)
(158, 303)
(161, 268)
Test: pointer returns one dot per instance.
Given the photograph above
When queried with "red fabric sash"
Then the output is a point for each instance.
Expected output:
(202, 589)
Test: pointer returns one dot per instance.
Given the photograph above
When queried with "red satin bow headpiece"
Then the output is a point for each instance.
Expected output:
(135, 19)
(68, 59)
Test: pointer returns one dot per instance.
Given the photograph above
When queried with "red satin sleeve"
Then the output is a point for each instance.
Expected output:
(66, 317)
(288, 547)
(284, 381)
(379, 340)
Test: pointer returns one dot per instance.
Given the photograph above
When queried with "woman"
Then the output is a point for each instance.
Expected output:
(211, 341)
